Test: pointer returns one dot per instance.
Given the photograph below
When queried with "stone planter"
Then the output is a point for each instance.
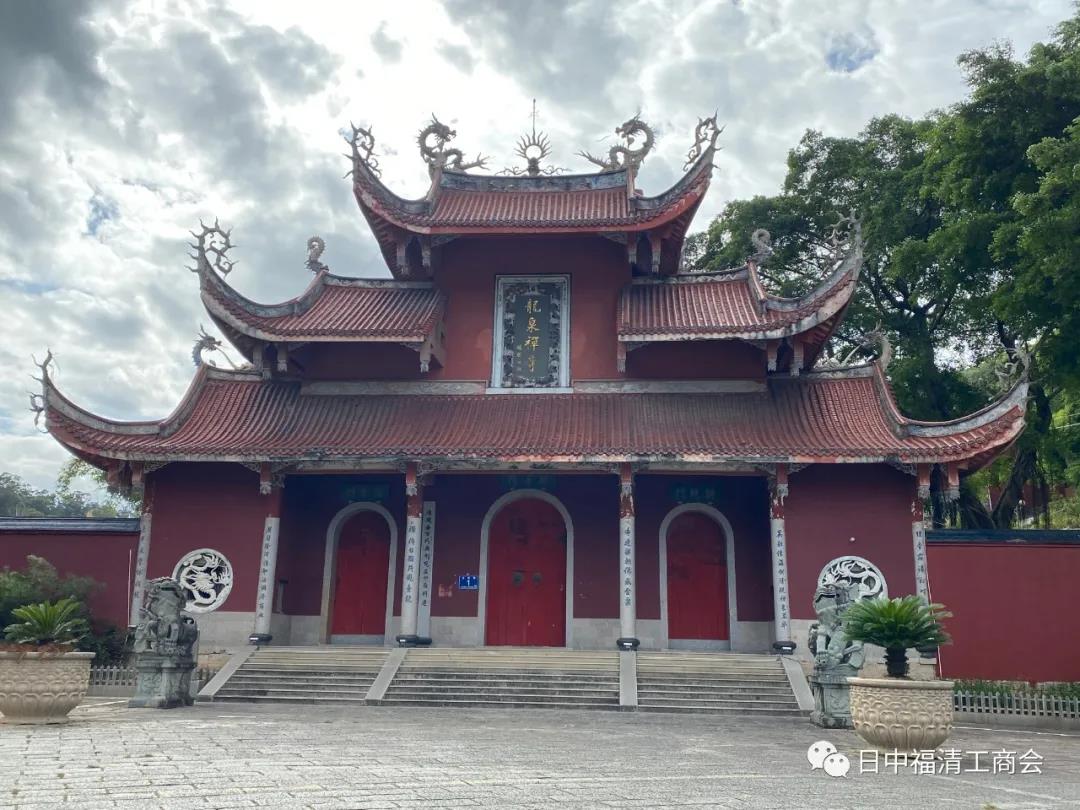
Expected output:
(38, 687)
(896, 713)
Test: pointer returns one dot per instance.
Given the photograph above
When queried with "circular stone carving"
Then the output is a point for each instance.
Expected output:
(848, 570)
(206, 577)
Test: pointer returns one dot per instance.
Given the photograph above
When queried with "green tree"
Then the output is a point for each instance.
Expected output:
(970, 222)
(114, 505)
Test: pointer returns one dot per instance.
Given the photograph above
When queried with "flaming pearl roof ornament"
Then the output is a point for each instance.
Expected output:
(532, 148)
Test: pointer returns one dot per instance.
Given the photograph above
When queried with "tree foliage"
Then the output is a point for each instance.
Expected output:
(40, 582)
(972, 225)
(19, 499)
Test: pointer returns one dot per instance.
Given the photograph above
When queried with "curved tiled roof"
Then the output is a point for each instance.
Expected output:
(332, 308)
(731, 305)
(837, 416)
(459, 202)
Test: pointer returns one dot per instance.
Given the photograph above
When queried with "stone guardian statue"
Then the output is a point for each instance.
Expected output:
(165, 640)
(835, 657)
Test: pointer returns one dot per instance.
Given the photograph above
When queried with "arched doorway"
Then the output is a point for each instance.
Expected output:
(526, 599)
(358, 575)
(698, 572)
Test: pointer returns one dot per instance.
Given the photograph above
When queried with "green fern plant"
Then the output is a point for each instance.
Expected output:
(897, 625)
(47, 623)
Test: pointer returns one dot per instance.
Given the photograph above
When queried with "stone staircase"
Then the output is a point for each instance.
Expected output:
(718, 683)
(714, 683)
(305, 675)
(522, 677)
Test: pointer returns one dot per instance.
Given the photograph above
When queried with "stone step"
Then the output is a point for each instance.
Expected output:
(308, 698)
(678, 700)
(768, 677)
(486, 691)
(566, 696)
(239, 681)
(517, 702)
(496, 679)
(743, 689)
(499, 675)
(747, 711)
(308, 671)
(284, 692)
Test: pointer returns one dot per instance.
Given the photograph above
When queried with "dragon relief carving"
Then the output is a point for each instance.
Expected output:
(363, 149)
(705, 134)
(761, 239)
(628, 156)
(211, 249)
(208, 343)
(433, 140)
(876, 337)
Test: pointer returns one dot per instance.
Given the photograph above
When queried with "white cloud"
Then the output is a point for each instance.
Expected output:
(122, 124)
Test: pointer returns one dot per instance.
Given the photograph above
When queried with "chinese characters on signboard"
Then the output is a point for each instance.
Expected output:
(531, 325)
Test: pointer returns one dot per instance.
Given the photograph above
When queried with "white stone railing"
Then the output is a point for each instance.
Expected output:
(119, 681)
(1027, 708)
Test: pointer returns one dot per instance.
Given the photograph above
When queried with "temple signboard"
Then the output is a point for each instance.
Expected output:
(531, 333)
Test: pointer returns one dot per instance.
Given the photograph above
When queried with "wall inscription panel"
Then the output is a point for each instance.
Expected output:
(531, 333)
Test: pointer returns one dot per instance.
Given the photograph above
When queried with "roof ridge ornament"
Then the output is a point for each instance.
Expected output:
(37, 401)
(437, 156)
(532, 149)
(315, 247)
(211, 248)
(761, 239)
(852, 223)
(705, 134)
(626, 157)
(875, 336)
(206, 342)
(362, 142)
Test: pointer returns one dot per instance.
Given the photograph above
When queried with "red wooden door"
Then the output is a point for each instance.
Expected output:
(363, 559)
(696, 578)
(526, 601)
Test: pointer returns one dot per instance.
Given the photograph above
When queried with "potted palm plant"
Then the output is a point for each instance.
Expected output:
(42, 677)
(896, 712)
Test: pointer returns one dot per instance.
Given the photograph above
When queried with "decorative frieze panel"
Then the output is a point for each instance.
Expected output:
(531, 333)
(855, 570)
(206, 576)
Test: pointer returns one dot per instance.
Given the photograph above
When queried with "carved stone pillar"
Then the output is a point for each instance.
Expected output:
(627, 569)
(410, 586)
(142, 556)
(918, 532)
(778, 543)
(264, 602)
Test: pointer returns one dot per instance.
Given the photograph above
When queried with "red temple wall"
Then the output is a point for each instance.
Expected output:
(828, 505)
(214, 506)
(597, 269)
(359, 361)
(108, 557)
(697, 360)
(742, 500)
(1014, 610)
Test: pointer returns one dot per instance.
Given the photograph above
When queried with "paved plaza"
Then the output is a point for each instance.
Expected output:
(240, 755)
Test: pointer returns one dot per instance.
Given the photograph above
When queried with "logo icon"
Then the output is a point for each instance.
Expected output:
(823, 755)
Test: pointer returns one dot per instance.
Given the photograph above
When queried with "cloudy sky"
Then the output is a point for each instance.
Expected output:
(122, 124)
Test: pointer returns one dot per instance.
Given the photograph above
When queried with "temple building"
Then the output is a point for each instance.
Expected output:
(538, 430)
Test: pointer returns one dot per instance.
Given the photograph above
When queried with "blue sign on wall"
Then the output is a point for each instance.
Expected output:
(468, 582)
